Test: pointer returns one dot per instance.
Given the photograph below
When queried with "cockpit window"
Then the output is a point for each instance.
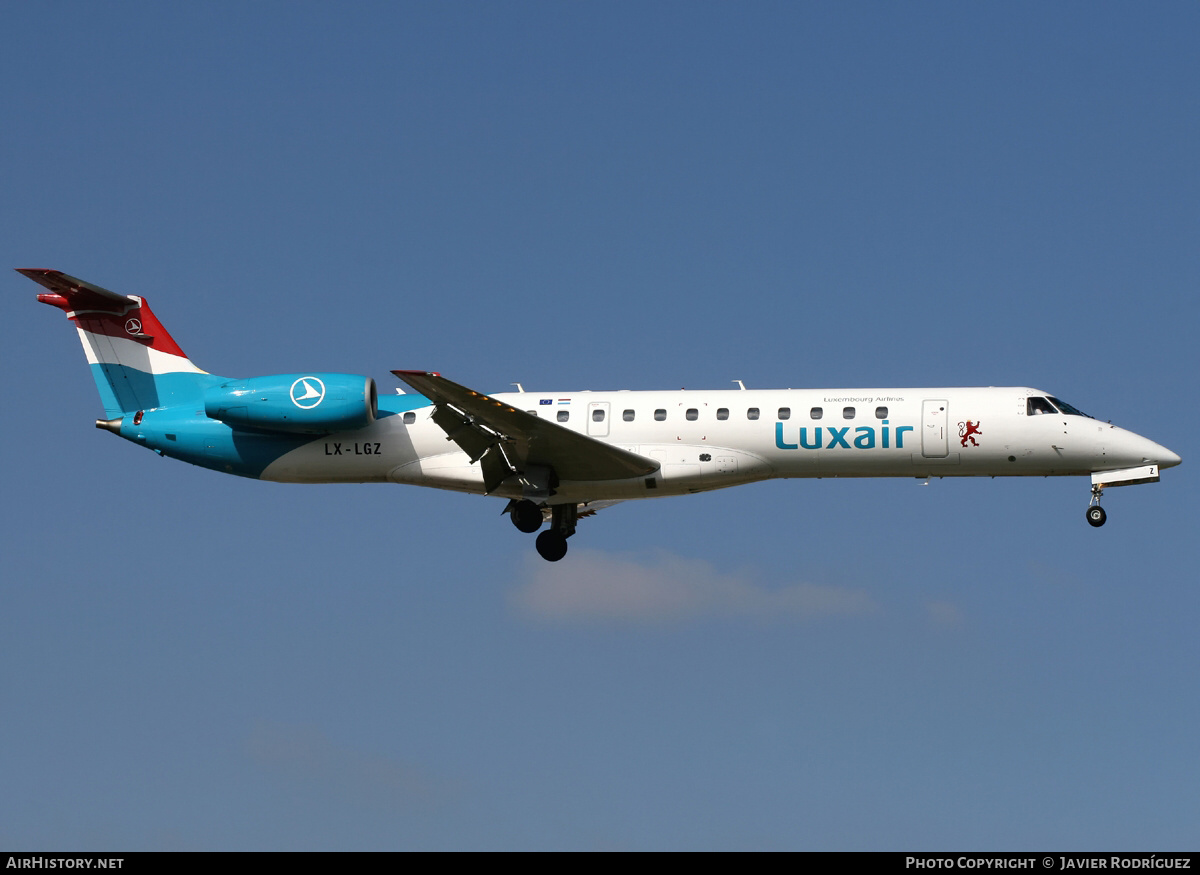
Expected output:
(1034, 406)
(1068, 409)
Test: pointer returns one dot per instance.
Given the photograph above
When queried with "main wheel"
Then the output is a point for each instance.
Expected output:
(551, 545)
(526, 516)
(1096, 515)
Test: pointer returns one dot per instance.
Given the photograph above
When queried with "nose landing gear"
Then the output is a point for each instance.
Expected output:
(1095, 513)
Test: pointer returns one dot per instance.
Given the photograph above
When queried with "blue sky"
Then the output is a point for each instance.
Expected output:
(610, 195)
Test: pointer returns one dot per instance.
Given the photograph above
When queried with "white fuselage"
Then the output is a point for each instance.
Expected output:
(711, 439)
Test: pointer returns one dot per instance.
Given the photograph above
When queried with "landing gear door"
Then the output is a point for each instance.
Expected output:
(935, 417)
(597, 423)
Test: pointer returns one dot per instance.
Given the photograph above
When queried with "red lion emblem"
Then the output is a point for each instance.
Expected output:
(966, 430)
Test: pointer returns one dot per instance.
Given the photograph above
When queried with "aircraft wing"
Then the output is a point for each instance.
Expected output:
(507, 441)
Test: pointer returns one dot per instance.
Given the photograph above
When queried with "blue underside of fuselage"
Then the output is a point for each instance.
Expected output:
(173, 422)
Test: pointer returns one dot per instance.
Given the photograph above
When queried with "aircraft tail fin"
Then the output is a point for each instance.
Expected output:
(136, 363)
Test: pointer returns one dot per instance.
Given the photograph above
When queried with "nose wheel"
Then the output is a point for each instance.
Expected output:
(1095, 513)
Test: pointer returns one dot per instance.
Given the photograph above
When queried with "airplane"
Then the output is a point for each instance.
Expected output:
(561, 456)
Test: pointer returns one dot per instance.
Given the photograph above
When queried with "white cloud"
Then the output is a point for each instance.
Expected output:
(307, 758)
(944, 615)
(589, 584)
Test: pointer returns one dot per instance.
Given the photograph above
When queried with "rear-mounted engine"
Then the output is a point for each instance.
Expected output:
(295, 403)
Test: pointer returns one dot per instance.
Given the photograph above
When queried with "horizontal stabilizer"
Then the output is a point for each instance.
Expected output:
(79, 295)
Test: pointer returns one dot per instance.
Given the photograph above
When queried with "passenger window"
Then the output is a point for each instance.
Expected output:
(847, 413)
(785, 413)
(816, 413)
(722, 413)
(660, 415)
(564, 415)
(598, 415)
(881, 413)
(627, 416)
(410, 418)
(692, 414)
(1036, 406)
(752, 413)
(531, 412)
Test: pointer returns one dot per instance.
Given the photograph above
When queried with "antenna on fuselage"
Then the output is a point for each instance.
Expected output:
(741, 385)
(520, 388)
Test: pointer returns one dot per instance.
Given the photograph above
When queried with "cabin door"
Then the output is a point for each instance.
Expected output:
(935, 416)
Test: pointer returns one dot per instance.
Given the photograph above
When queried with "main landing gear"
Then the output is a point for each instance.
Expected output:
(1095, 513)
(552, 543)
(526, 516)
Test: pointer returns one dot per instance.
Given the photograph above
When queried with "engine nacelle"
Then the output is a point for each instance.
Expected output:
(295, 403)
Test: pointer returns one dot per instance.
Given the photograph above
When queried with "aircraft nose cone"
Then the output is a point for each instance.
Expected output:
(1157, 453)
(1167, 459)
(1131, 450)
